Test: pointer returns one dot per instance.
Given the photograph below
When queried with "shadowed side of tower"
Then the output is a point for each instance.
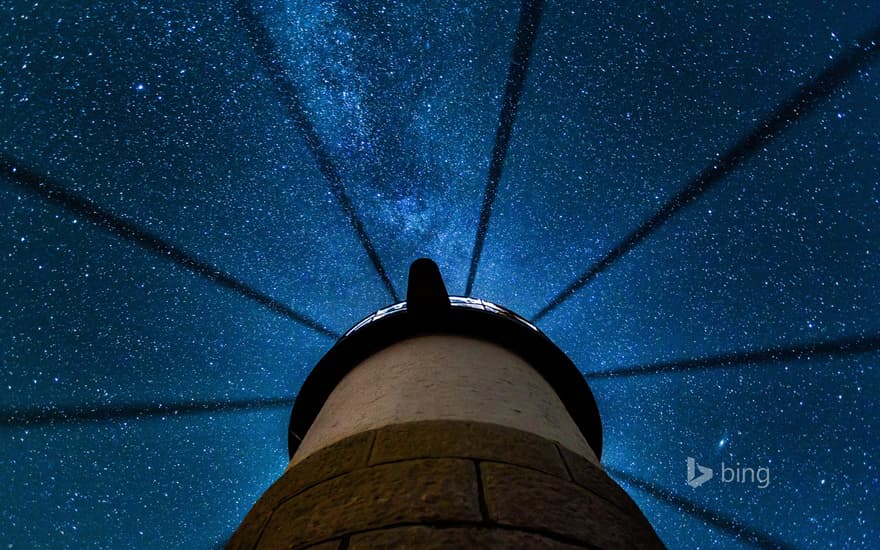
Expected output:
(444, 422)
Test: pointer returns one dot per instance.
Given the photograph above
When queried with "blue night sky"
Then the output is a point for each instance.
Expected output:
(168, 115)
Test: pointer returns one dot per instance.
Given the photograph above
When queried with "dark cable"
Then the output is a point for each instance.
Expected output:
(56, 193)
(841, 347)
(802, 102)
(52, 415)
(526, 32)
(720, 521)
(265, 50)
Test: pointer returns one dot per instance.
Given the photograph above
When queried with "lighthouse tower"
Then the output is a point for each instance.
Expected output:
(444, 422)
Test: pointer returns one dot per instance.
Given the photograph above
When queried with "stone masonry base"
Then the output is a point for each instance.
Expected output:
(444, 484)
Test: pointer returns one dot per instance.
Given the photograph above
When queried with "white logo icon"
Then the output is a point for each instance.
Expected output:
(694, 480)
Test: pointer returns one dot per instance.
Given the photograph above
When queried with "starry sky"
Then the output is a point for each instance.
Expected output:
(169, 116)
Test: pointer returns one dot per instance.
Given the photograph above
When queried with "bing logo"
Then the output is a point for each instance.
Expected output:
(729, 474)
(693, 479)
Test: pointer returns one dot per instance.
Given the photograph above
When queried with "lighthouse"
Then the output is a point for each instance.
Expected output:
(444, 422)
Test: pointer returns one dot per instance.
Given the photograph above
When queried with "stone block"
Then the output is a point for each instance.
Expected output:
(431, 538)
(401, 492)
(524, 498)
(451, 438)
(593, 478)
(337, 459)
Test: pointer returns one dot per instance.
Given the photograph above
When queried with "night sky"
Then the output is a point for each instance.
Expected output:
(173, 117)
